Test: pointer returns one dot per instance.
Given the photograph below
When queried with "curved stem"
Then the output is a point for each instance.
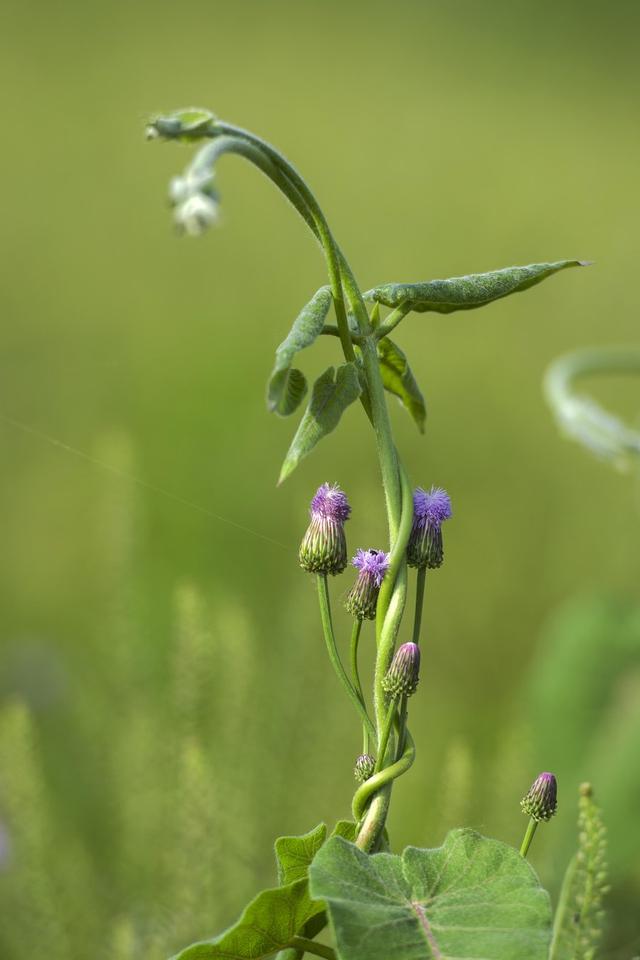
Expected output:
(384, 736)
(355, 677)
(334, 657)
(332, 252)
(417, 620)
(392, 321)
(207, 157)
(367, 796)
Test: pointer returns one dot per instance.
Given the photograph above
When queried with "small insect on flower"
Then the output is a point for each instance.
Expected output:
(402, 676)
(362, 599)
(541, 802)
(324, 546)
(430, 510)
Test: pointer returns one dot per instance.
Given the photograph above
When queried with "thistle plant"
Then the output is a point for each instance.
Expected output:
(427, 903)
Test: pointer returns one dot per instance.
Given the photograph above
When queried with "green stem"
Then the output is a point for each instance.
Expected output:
(330, 247)
(402, 725)
(392, 321)
(355, 677)
(330, 330)
(563, 905)
(343, 284)
(372, 795)
(528, 837)
(311, 946)
(384, 736)
(417, 620)
(332, 649)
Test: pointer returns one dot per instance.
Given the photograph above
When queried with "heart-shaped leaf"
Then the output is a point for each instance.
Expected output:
(466, 293)
(294, 854)
(471, 898)
(332, 393)
(399, 380)
(267, 925)
(288, 386)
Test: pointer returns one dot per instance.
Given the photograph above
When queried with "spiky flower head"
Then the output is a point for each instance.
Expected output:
(363, 597)
(541, 802)
(365, 765)
(403, 674)
(324, 547)
(430, 510)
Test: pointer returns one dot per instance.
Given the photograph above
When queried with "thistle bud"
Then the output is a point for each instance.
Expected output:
(541, 802)
(324, 547)
(363, 597)
(365, 765)
(430, 510)
(403, 674)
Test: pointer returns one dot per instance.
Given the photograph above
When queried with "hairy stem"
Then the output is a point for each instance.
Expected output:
(355, 677)
(417, 619)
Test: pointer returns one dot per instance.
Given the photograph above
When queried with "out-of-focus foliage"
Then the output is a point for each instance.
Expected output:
(446, 140)
(580, 915)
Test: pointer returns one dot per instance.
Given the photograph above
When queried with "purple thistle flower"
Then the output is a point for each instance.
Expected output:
(541, 802)
(402, 676)
(330, 502)
(430, 510)
(324, 547)
(362, 599)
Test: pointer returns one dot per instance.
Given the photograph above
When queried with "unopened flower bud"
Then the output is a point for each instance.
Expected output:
(403, 674)
(190, 124)
(430, 510)
(324, 547)
(541, 802)
(362, 598)
(365, 765)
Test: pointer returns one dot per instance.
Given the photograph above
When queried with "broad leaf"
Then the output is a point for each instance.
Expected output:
(288, 386)
(332, 393)
(399, 380)
(470, 898)
(466, 293)
(267, 925)
(294, 854)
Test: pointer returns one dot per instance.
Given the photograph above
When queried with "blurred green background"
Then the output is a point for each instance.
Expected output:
(167, 707)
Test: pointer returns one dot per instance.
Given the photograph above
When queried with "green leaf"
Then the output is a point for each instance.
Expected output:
(294, 854)
(266, 926)
(346, 829)
(466, 293)
(332, 393)
(470, 898)
(288, 386)
(399, 380)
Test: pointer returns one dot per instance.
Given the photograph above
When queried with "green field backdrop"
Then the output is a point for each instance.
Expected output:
(166, 704)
